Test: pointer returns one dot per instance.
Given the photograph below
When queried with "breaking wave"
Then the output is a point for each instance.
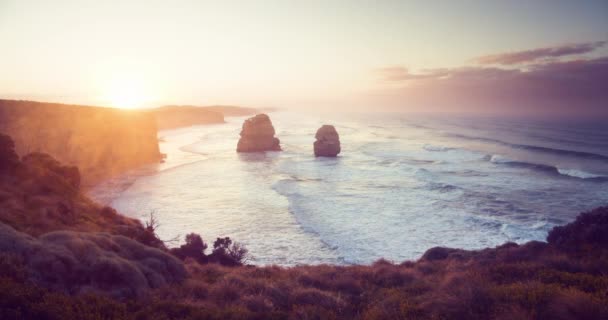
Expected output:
(561, 152)
(571, 173)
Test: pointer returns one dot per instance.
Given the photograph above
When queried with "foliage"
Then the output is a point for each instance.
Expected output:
(225, 251)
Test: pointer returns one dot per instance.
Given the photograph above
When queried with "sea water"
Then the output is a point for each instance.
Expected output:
(401, 185)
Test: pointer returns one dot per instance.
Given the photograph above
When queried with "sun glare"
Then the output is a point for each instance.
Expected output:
(126, 93)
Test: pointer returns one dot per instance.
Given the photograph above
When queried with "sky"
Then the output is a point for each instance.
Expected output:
(536, 57)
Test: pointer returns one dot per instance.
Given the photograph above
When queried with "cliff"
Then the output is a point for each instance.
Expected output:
(64, 257)
(170, 117)
(101, 141)
(38, 194)
(232, 111)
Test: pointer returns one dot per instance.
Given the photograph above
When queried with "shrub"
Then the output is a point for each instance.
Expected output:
(390, 304)
(45, 162)
(228, 253)
(12, 267)
(225, 292)
(193, 248)
(392, 276)
(589, 229)
(147, 235)
(312, 312)
(316, 297)
(25, 301)
(257, 303)
(92, 262)
(8, 157)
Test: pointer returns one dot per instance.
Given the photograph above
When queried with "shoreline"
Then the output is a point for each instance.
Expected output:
(97, 252)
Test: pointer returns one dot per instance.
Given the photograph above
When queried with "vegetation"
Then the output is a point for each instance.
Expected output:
(537, 280)
(78, 262)
(225, 251)
(112, 267)
(533, 281)
(39, 195)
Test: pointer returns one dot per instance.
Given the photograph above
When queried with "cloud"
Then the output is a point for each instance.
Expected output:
(528, 56)
(559, 87)
(402, 74)
(397, 74)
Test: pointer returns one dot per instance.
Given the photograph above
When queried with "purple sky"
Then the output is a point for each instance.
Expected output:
(519, 56)
(543, 81)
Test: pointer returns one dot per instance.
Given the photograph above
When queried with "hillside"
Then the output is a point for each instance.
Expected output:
(63, 257)
(38, 194)
(83, 136)
(170, 117)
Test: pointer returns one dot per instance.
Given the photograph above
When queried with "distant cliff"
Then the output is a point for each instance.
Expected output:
(101, 141)
(170, 117)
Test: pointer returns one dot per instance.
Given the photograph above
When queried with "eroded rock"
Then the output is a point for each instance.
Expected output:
(328, 142)
(257, 135)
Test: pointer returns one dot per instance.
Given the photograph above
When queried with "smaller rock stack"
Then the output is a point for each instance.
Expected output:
(328, 142)
(258, 135)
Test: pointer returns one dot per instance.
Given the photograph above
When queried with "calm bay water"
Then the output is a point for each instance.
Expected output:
(402, 184)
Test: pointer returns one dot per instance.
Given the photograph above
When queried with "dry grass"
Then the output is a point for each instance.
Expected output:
(564, 278)
(532, 281)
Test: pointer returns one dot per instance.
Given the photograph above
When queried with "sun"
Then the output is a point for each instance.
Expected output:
(126, 93)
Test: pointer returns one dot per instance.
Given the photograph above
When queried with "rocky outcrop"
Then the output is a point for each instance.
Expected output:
(258, 135)
(177, 116)
(328, 142)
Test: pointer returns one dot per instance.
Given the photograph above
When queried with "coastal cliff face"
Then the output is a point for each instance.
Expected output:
(171, 117)
(101, 141)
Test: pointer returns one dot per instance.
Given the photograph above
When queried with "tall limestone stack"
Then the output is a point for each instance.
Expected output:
(258, 135)
(328, 142)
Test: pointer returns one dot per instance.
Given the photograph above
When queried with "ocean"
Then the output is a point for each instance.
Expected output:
(401, 185)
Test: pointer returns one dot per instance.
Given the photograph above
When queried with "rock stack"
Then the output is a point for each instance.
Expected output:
(328, 142)
(258, 135)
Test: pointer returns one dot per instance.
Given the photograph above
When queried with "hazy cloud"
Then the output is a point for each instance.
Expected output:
(398, 74)
(528, 56)
(578, 86)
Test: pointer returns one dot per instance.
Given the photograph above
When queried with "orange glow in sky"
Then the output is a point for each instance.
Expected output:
(306, 54)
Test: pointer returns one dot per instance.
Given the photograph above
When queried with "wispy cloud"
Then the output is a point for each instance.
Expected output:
(398, 74)
(534, 55)
(575, 86)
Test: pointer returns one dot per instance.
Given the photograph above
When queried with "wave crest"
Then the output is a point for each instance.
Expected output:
(571, 173)
(580, 174)
(547, 150)
(433, 148)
